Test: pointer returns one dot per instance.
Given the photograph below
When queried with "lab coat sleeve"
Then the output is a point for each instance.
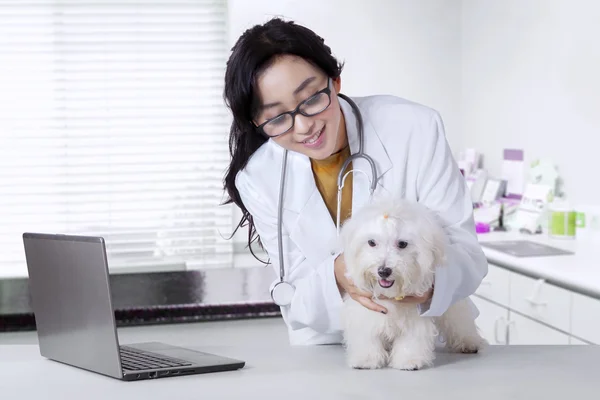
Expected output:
(317, 300)
(442, 188)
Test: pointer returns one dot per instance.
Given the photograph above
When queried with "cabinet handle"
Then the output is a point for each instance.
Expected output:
(496, 325)
(532, 299)
(535, 303)
(486, 283)
(511, 335)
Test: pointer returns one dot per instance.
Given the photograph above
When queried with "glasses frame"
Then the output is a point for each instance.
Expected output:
(296, 111)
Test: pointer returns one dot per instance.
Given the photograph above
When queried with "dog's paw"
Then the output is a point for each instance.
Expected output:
(366, 361)
(411, 360)
(408, 365)
(366, 366)
(468, 345)
(411, 354)
(371, 363)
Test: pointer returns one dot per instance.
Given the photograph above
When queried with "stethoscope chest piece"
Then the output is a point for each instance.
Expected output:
(282, 293)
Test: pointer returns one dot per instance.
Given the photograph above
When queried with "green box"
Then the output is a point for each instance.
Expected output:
(563, 223)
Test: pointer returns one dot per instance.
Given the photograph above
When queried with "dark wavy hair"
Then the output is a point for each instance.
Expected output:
(256, 49)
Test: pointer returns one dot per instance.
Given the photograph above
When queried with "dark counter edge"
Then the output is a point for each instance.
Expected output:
(162, 315)
(167, 297)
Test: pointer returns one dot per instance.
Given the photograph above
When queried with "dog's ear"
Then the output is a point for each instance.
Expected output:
(351, 233)
(436, 242)
(438, 249)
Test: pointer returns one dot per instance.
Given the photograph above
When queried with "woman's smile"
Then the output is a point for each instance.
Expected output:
(316, 140)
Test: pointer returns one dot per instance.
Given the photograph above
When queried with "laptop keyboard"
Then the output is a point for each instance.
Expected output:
(136, 360)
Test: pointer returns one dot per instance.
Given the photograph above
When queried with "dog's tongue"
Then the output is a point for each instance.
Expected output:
(385, 283)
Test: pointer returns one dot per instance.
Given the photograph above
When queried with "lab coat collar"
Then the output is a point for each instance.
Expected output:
(305, 214)
(300, 184)
(372, 147)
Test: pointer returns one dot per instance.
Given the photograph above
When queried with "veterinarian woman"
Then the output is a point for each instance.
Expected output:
(280, 67)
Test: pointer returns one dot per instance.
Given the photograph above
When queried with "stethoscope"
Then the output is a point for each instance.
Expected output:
(282, 291)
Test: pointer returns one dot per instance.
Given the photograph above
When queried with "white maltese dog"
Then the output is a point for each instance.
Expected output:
(392, 249)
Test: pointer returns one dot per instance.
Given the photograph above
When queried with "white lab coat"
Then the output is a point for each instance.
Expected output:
(407, 142)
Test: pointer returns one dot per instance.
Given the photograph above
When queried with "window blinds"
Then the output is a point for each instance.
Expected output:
(112, 123)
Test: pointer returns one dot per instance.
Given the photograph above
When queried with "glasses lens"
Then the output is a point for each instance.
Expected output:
(311, 106)
(315, 104)
(278, 125)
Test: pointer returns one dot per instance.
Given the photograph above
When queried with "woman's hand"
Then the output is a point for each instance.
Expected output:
(364, 298)
(345, 285)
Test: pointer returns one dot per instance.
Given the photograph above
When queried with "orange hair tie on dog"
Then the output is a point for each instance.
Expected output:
(385, 216)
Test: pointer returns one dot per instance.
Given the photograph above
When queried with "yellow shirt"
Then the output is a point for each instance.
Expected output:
(326, 174)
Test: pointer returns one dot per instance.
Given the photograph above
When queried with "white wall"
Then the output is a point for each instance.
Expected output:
(403, 47)
(531, 80)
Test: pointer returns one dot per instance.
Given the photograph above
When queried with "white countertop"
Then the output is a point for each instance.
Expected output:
(579, 272)
(276, 370)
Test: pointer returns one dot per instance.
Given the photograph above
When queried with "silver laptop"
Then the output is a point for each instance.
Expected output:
(71, 300)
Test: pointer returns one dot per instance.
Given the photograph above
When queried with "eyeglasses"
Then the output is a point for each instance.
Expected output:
(282, 123)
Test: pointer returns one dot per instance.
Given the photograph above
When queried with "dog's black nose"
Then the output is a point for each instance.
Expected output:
(384, 272)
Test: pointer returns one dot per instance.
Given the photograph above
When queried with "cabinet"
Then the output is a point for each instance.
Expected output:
(492, 321)
(516, 309)
(585, 318)
(522, 330)
(500, 325)
(496, 285)
(540, 301)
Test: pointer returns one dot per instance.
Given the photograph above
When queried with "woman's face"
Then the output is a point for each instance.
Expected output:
(281, 87)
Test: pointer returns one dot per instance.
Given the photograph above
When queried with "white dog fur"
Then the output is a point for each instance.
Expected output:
(406, 238)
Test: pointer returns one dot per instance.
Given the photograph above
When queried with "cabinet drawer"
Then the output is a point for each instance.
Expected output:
(492, 321)
(496, 285)
(541, 301)
(523, 331)
(584, 318)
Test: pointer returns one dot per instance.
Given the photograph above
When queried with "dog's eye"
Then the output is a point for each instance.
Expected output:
(402, 244)
(372, 243)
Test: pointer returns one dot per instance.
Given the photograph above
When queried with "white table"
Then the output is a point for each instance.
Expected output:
(276, 370)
